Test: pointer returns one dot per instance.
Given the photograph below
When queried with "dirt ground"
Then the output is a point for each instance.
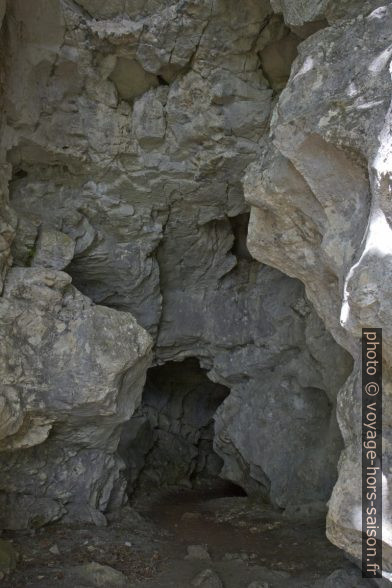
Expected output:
(240, 540)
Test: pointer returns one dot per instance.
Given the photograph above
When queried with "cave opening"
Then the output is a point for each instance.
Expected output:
(168, 443)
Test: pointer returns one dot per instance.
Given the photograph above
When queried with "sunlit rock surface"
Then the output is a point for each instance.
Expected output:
(320, 200)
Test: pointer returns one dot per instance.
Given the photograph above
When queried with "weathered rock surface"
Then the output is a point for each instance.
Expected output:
(290, 335)
(96, 575)
(129, 127)
(321, 212)
(126, 130)
(207, 579)
(300, 12)
(71, 372)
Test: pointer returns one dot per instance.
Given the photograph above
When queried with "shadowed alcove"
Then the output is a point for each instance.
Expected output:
(169, 440)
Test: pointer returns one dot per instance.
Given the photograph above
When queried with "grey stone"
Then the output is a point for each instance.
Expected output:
(97, 575)
(53, 249)
(126, 129)
(20, 511)
(75, 364)
(350, 577)
(197, 552)
(144, 181)
(131, 79)
(24, 243)
(298, 12)
(318, 214)
(207, 579)
(236, 556)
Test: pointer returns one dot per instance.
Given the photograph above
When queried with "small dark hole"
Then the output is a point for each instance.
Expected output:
(21, 173)
(239, 226)
(162, 81)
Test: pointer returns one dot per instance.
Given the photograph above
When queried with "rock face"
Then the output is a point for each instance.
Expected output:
(127, 130)
(71, 373)
(321, 212)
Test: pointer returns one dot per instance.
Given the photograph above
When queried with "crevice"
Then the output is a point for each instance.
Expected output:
(239, 225)
(162, 81)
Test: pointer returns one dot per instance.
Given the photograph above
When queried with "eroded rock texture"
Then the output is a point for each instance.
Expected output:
(71, 373)
(127, 129)
(320, 200)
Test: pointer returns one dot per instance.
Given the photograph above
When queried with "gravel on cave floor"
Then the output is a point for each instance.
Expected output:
(245, 540)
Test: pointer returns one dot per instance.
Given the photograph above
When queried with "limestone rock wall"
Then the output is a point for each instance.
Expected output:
(71, 373)
(127, 128)
(320, 199)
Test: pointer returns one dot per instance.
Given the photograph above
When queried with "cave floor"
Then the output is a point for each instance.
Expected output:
(240, 540)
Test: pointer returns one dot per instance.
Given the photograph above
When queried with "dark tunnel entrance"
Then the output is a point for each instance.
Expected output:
(168, 443)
